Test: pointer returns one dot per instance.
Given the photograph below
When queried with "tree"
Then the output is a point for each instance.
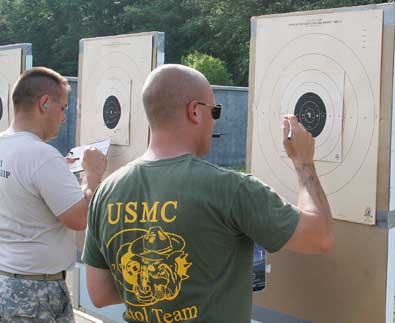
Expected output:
(5, 33)
(174, 18)
(229, 24)
(53, 27)
(213, 68)
(220, 28)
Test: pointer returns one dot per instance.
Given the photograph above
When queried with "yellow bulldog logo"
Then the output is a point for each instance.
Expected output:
(153, 266)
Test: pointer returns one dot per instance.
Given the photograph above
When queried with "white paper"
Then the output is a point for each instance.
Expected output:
(78, 153)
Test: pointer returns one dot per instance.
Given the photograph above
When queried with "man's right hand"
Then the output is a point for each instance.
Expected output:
(300, 147)
(94, 161)
(94, 164)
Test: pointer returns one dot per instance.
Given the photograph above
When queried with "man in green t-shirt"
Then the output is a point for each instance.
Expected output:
(171, 235)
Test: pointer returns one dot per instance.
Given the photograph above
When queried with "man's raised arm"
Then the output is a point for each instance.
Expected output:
(314, 232)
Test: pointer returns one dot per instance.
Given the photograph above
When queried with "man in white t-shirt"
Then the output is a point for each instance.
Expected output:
(41, 203)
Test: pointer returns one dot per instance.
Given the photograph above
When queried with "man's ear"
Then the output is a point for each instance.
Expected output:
(192, 112)
(43, 103)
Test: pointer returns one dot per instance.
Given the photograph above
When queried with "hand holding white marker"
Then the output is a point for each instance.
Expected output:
(75, 157)
(94, 161)
(290, 130)
(298, 142)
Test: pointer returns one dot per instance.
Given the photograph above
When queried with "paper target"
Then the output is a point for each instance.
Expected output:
(318, 70)
(112, 73)
(316, 98)
(10, 69)
(113, 115)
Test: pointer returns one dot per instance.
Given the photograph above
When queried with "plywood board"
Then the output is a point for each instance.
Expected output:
(386, 122)
(320, 54)
(354, 283)
(10, 69)
(251, 95)
(348, 285)
(112, 71)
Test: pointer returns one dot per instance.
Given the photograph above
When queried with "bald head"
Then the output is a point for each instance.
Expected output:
(168, 90)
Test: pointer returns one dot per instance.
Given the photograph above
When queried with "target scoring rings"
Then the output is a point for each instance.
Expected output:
(111, 112)
(311, 113)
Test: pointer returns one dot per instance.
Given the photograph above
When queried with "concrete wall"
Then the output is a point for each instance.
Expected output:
(66, 138)
(230, 148)
(227, 150)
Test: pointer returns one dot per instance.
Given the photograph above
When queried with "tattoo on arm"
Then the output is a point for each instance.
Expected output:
(308, 179)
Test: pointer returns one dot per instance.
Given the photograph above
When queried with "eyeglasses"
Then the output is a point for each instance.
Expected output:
(64, 108)
(215, 109)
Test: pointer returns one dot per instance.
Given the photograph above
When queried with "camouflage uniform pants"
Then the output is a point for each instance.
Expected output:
(30, 301)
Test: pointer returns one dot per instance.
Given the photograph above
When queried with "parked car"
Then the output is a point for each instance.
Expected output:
(259, 268)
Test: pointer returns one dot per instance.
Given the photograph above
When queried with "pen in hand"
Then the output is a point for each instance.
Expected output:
(70, 159)
(290, 130)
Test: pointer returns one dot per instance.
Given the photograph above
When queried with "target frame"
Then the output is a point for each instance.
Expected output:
(316, 298)
(116, 65)
(14, 59)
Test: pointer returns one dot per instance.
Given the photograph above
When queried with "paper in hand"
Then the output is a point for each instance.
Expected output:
(77, 153)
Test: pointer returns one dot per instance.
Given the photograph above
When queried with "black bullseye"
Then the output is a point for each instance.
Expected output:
(311, 113)
(111, 112)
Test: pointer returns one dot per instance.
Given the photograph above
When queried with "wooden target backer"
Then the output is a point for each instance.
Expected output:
(354, 283)
(325, 69)
(112, 71)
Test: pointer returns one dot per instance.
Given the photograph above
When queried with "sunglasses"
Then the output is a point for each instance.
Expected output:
(215, 109)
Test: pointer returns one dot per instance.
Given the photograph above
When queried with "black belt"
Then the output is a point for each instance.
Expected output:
(57, 276)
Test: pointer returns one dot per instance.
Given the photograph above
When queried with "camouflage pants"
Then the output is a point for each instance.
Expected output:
(30, 301)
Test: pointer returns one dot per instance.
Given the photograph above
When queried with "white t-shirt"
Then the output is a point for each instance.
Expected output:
(36, 186)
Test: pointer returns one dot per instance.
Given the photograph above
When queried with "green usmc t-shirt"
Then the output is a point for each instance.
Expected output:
(177, 235)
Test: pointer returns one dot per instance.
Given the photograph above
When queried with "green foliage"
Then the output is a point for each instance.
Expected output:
(220, 28)
(213, 68)
(53, 27)
(174, 18)
(321, 4)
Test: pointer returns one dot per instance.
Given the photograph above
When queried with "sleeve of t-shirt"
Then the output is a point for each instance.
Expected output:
(57, 185)
(261, 214)
(92, 254)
